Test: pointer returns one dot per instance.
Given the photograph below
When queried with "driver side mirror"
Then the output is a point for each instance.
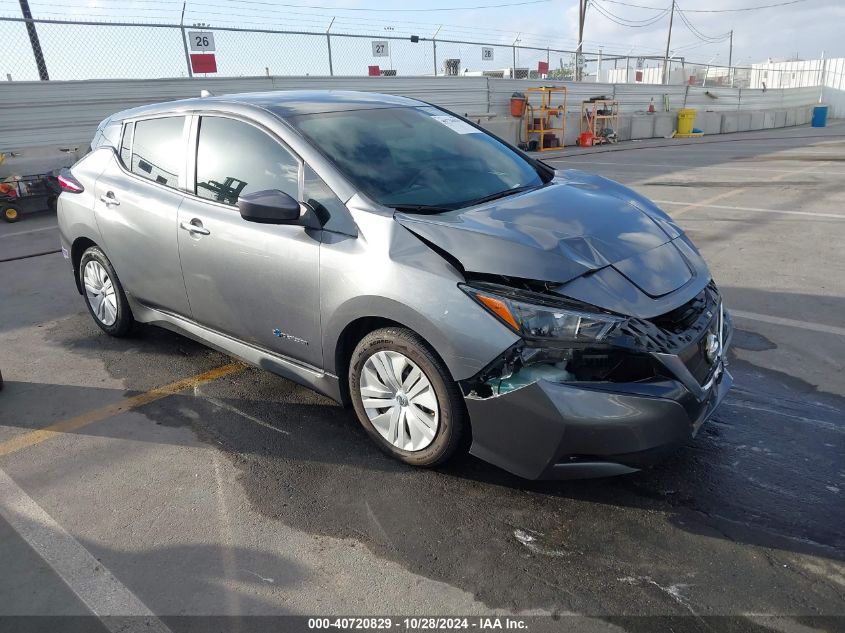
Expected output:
(269, 207)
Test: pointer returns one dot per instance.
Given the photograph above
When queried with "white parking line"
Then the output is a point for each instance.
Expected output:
(232, 409)
(585, 162)
(804, 325)
(16, 233)
(93, 584)
(706, 205)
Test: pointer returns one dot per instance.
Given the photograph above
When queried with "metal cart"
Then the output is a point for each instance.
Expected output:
(599, 121)
(28, 194)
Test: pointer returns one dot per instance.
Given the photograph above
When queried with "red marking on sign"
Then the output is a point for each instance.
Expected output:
(374, 71)
(543, 68)
(638, 76)
(203, 63)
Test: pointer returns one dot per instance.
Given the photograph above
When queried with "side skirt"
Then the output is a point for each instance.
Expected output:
(308, 375)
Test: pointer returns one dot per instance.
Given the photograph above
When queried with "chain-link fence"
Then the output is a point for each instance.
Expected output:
(72, 50)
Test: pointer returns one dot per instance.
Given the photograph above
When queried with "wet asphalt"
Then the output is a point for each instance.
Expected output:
(251, 495)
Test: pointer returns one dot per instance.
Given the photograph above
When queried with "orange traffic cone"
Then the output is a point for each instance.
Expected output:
(651, 106)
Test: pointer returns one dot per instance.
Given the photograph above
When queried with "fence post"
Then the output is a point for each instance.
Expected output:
(329, 46)
(34, 42)
(187, 54)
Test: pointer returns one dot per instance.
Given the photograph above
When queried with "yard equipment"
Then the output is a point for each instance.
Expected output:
(27, 194)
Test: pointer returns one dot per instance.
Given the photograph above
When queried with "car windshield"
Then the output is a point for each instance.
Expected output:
(417, 157)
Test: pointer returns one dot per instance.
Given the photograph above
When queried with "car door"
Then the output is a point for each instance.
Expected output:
(137, 198)
(256, 282)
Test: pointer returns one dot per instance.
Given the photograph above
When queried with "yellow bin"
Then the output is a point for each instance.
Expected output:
(686, 118)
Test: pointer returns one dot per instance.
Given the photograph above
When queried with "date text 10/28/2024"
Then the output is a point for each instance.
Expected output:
(419, 624)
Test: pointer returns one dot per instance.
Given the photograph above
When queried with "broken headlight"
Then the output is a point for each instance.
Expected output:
(539, 317)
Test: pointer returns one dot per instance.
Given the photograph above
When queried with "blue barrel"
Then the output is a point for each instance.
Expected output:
(820, 116)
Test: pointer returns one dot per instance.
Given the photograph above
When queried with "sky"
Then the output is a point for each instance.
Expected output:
(805, 29)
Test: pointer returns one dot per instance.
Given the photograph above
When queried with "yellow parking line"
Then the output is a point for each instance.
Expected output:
(103, 413)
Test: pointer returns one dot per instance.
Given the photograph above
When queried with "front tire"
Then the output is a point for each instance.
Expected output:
(103, 293)
(405, 397)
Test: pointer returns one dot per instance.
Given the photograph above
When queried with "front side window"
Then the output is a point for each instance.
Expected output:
(158, 150)
(417, 156)
(235, 158)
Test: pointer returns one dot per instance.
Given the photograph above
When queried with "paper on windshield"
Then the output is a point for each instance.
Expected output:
(454, 123)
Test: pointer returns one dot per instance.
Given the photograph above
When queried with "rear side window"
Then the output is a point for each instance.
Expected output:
(235, 158)
(158, 150)
(126, 145)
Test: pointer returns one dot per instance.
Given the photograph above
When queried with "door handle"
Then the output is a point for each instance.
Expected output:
(193, 228)
(110, 200)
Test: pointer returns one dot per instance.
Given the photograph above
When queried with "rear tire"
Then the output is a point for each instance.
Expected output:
(104, 294)
(11, 214)
(405, 398)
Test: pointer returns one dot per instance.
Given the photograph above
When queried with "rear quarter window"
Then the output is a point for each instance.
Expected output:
(108, 134)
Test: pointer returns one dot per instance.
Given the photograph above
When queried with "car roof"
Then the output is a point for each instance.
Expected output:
(282, 103)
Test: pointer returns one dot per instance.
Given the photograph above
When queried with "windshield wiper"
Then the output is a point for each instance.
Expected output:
(419, 208)
(499, 194)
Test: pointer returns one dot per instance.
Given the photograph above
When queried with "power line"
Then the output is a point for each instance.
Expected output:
(707, 38)
(608, 13)
(623, 21)
(763, 6)
(198, 9)
(429, 10)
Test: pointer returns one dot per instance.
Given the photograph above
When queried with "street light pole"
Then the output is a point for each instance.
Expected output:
(668, 40)
(34, 42)
(730, 58)
(329, 47)
(185, 39)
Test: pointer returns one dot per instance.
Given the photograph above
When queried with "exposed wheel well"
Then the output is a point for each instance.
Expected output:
(79, 246)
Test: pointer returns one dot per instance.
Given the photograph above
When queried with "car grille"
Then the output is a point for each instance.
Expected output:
(682, 331)
(695, 356)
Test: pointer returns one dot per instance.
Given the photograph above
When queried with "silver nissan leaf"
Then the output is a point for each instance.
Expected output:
(457, 293)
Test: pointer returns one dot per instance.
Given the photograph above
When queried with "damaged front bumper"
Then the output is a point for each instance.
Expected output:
(562, 430)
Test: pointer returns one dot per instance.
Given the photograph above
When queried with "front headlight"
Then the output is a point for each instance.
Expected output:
(536, 316)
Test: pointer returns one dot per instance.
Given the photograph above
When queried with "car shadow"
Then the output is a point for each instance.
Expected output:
(757, 474)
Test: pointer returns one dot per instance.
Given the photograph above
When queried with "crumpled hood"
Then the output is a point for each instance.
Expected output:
(576, 224)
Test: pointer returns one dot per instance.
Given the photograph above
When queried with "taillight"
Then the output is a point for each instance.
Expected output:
(69, 183)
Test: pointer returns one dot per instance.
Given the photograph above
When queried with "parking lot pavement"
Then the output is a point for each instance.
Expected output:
(199, 486)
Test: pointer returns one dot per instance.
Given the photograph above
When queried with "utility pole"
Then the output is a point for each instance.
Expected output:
(730, 58)
(33, 40)
(668, 41)
(582, 13)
